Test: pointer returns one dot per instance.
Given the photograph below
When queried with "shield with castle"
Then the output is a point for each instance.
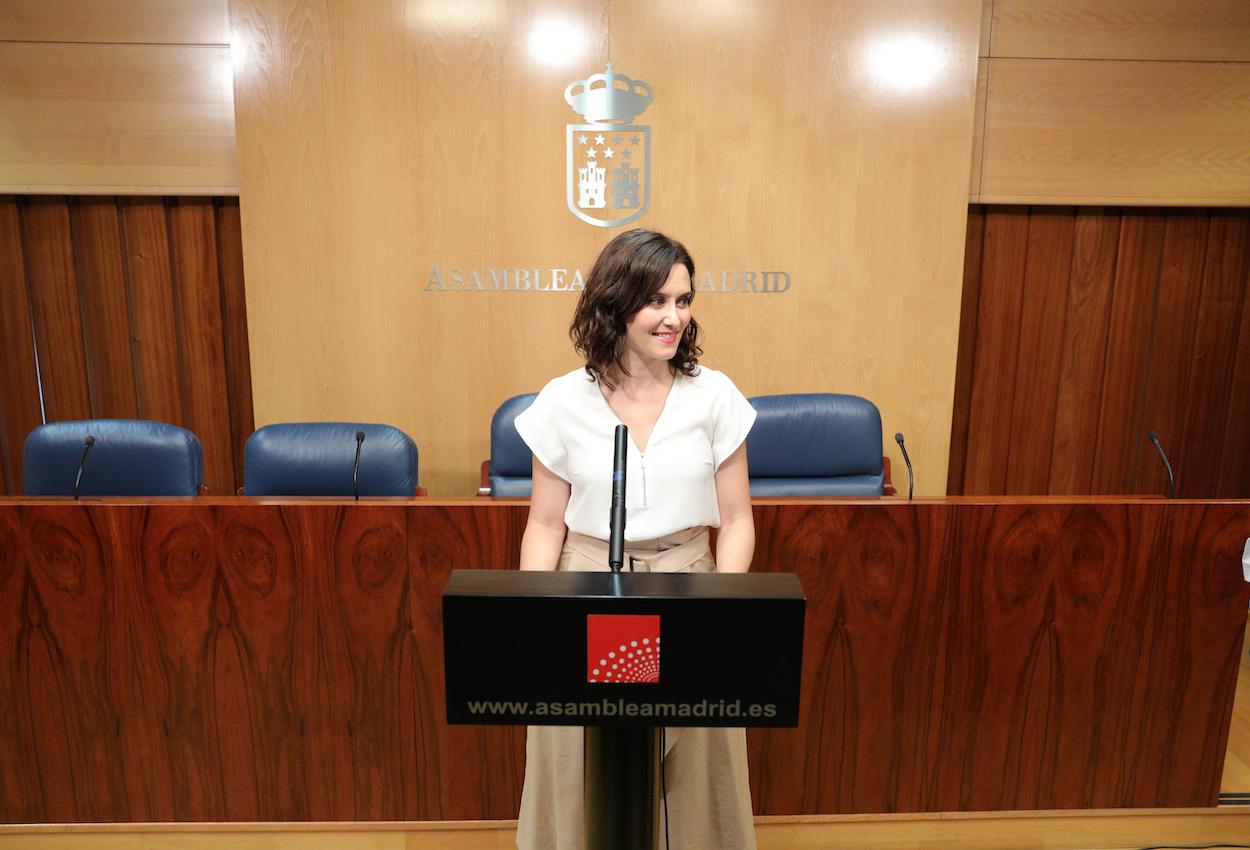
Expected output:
(608, 162)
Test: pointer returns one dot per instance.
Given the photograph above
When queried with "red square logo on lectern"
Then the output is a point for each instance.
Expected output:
(623, 648)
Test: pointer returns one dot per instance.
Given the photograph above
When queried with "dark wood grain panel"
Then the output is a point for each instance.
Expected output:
(1235, 452)
(966, 356)
(95, 321)
(1118, 442)
(19, 382)
(197, 282)
(1082, 367)
(993, 372)
(48, 248)
(234, 329)
(1214, 352)
(157, 343)
(105, 311)
(1039, 348)
(224, 659)
(1146, 331)
(1167, 391)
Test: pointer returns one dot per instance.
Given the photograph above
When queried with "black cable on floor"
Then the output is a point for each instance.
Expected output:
(663, 789)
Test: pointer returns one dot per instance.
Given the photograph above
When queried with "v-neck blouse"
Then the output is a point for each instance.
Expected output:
(570, 427)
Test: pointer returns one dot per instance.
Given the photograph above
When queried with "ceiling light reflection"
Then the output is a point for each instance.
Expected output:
(557, 43)
(905, 64)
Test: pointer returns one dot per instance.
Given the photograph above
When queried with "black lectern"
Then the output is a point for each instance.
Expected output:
(618, 654)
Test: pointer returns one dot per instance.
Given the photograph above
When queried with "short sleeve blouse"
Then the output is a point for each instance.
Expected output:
(570, 428)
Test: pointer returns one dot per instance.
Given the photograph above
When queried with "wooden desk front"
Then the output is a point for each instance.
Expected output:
(232, 659)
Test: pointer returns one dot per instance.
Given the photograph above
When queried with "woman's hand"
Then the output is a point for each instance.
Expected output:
(735, 542)
(545, 529)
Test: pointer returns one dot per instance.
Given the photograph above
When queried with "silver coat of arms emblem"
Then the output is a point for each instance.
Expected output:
(608, 160)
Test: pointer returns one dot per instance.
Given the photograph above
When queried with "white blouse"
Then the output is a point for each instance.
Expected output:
(571, 428)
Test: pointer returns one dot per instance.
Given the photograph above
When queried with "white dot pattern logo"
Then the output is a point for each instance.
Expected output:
(623, 649)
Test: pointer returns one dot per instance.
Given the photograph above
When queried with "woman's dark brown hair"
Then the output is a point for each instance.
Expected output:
(631, 269)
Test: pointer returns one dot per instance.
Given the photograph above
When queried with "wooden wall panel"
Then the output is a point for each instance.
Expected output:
(20, 404)
(128, 308)
(198, 288)
(1167, 388)
(1176, 30)
(1136, 260)
(157, 341)
(978, 655)
(1127, 322)
(1113, 102)
(48, 247)
(1116, 132)
(378, 142)
(1039, 339)
(234, 328)
(116, 118)
(106, 314)
(1088, 314)
(116, 21)
(997, 326)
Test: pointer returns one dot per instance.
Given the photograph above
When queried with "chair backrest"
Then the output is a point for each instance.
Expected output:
(815, 444)
(508, 475)
(318, 458)
(130, 457)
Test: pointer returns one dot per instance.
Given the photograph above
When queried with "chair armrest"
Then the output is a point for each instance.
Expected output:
(890, 489)
(483, 487)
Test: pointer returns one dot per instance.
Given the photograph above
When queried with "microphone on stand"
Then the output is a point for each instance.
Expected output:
(911, 475)
(86, 447)
(616, 520)
(1154, 438)
(360, 441)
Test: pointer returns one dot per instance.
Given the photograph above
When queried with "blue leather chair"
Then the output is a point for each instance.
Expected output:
(129, 457)
(507, 473)
(318, 459)
(816, 444)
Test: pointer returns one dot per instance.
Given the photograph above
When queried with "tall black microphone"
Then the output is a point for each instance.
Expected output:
(911, 475)
(86, 447)
(616, 521)
(1154, 438)
(360, 441)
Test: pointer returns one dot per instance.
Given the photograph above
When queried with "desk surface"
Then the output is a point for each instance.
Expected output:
(244, 659)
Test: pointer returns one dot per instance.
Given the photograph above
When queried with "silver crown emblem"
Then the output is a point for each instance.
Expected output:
(608, 98)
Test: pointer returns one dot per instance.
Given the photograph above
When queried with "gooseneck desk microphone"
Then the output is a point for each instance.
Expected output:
(616, 521)
(360, 441)
(86, 447)
(1154, 438)
(911, 476)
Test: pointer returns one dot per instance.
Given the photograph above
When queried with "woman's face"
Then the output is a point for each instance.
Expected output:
(655, 330)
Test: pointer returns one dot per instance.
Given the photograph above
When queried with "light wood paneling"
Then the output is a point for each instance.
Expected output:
(95, 118)
(377, 143)
(116, 21)
(1020, 830)
(1117, 132)
(978, 149)
(1202, 30)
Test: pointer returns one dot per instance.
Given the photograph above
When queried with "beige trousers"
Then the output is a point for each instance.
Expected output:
(705, 770)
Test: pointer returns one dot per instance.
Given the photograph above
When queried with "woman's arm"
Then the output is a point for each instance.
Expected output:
(735, 543)
(544, 530)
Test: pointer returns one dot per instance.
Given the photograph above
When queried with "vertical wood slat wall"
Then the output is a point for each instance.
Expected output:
(124, 308)
(1084, 328)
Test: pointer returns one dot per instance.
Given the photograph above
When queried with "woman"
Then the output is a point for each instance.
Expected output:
(687, 470)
